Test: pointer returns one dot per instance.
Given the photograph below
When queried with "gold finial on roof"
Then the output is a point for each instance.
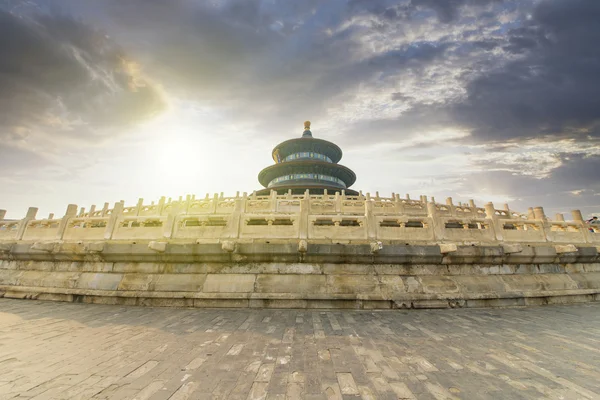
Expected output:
(307, 125)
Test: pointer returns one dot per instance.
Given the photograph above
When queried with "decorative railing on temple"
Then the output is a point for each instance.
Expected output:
(329, 217)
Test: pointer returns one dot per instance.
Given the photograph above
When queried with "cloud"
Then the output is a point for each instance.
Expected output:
(551, 89)
(63, 81)
(448, 10)
(498, 90)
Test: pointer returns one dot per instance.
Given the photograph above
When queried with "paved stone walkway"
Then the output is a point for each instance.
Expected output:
(79, 351)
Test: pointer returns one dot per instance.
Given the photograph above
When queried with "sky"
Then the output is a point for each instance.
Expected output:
(109, 100)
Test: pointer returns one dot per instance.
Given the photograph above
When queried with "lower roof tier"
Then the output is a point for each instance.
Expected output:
(340, 172)
(312, 189)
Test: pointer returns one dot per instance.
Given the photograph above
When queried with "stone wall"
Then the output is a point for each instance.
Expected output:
(301, 251)
(301, 275)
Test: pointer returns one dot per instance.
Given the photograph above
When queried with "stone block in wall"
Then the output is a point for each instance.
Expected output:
(278, 303)
(437, 284)
(391, 286)
(348, 269)
(362, 285)
(6, 247)
(575, 268)
(565, 248)
(475, 255)
(230, 283)
(291, 284)
(430, 304)
(504, 302)
(413, 254)
(138, 267)
(590, 280)
(185, 268)
(539, 282)
(166, 302)
(221, 303)
(10, 277)
(160, 247)
(99, 281)
(510, 248)
(95, 247)
(179, 282)
(60, 280)
(446, 248)
(587, 254)
(550, 269)
(46, 246)
(137, 282)
(31, 278)
(582, 298)
(544, 255)
(484, 285)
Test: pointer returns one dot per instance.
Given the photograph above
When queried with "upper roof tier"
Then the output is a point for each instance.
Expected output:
(307, 144)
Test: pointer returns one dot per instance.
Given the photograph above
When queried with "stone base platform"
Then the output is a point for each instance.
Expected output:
(261, 275)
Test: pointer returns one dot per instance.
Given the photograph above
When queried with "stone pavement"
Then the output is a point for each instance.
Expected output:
(83, 351)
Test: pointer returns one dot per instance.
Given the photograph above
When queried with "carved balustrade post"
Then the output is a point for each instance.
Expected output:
(105, 209)
(538, 213)
(370, 220)
(112, 221)
(435, 221)
(30, 216)
(233, 227)
(64, 222)
(161, 205)
(215, 203)
(451, 207)
(338, 202)
(139, 206)
(169, 225)
(490, 213)
(577, 217)
(303, 217)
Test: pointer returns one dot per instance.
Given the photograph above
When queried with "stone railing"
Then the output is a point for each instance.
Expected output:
(334, 218)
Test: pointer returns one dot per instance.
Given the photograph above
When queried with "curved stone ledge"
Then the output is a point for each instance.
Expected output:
(288, 252)
(301, 285)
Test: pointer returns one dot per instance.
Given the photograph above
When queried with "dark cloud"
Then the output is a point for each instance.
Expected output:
(551, 88)
(60, 77)
(574, 184)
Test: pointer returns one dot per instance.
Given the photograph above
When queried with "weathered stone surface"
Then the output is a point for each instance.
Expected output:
(99, 281)
(179, 282)
(137, 282)
(347, 275)
(229, 283)
(510, 248)
(95, 247)
(565, 248)
(448, 247)
(353, 284)
(160, 247)
(291, 283)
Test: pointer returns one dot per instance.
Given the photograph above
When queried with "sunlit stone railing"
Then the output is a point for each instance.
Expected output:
(335, 218)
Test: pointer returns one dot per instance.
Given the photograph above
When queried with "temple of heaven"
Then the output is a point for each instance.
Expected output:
(306, 163)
